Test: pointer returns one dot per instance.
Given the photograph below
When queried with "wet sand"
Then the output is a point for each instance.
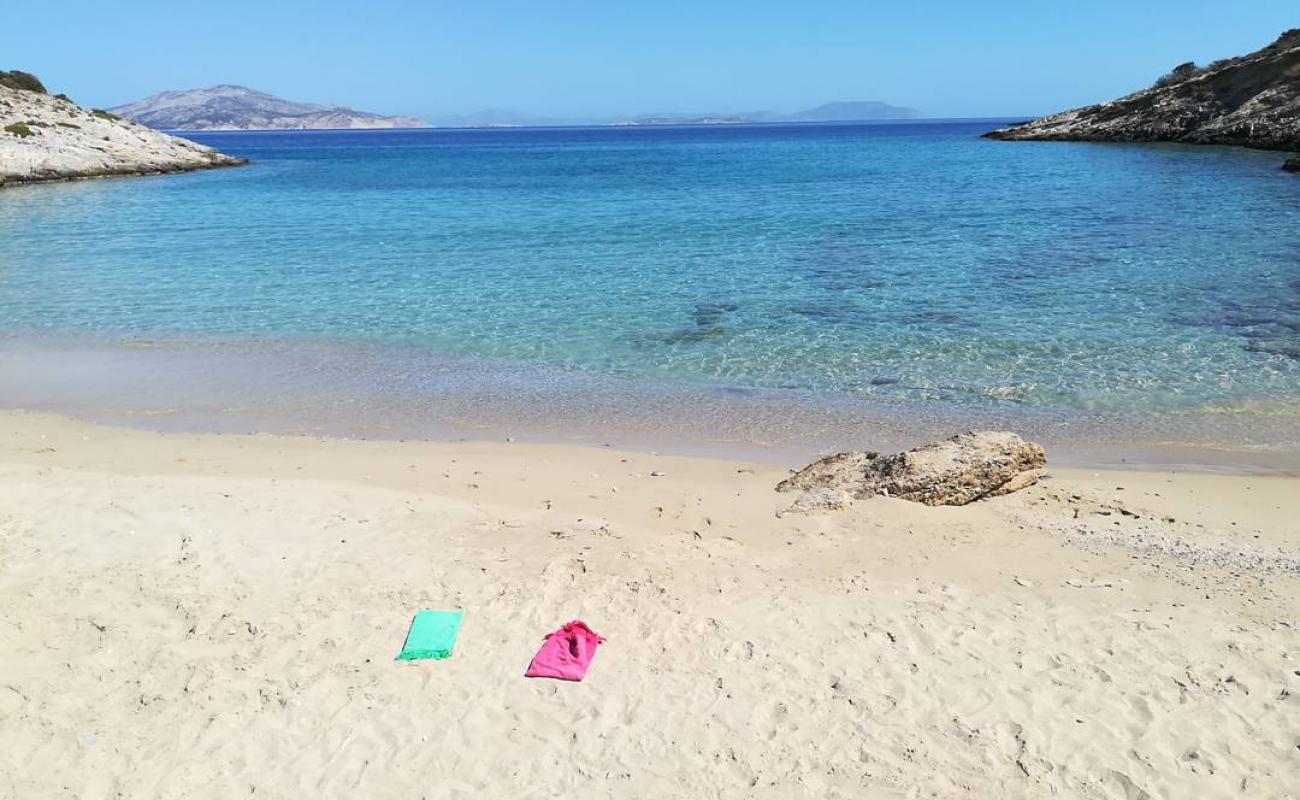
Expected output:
(369, 391)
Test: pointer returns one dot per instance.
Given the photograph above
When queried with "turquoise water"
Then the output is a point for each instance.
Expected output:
(906, 262)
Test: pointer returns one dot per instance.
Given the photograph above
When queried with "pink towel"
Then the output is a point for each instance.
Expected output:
(566, 654)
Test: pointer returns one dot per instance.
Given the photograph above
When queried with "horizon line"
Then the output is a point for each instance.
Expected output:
(621, 125)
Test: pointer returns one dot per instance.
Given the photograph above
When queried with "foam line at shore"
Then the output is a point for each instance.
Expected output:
(310, 387)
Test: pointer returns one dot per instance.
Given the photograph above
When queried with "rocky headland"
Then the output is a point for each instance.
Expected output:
(46, 137)
(1248, 101)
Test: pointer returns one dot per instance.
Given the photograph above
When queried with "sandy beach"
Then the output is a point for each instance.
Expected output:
(202, 616)
(650, 401)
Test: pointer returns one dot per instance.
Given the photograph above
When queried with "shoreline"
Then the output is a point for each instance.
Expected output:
(250, 593)
(92, 175)
(1007, 135)
(381, 392)
(1139, 458)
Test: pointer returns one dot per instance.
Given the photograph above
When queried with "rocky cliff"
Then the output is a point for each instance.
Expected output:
(1251, 101)
(45, 137)
(238, 108)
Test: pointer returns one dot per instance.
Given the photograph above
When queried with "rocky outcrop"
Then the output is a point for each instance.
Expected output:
(1251, 101)
(953, 472)
(49, 138)
(238, 108)
(817, 500)
(22, 81)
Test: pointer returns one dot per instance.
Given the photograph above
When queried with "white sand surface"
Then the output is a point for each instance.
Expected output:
(217, 617)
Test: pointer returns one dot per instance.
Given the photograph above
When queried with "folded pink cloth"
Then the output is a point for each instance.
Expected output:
(566, 654)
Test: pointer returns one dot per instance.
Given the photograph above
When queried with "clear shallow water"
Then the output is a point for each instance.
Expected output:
(904, 262)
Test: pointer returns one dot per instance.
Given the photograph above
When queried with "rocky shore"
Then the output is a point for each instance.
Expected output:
(1249, 101)
(46, 137)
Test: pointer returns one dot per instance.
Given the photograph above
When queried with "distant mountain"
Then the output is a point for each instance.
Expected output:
(238, 108)
(863, 110)
(1251, 100)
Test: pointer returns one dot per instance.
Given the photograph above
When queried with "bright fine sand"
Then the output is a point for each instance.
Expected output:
(217, 616)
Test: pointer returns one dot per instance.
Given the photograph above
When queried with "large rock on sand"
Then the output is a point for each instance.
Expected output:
(953, 472)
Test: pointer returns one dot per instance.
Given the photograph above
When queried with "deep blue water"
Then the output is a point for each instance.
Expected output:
(909, 261)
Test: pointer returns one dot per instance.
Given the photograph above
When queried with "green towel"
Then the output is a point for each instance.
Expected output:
(432, 635)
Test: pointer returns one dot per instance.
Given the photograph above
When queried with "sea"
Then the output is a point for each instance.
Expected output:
(793, 288)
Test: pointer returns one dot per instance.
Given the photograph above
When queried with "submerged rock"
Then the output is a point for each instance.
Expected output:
(1252, 100)
(952, 472)
(1292, 164)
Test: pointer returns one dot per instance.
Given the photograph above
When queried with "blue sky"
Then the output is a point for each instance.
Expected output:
(580, 57)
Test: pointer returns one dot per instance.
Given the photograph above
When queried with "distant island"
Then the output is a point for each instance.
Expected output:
(45, 137)
(859, 111)
(856, 111)
(720, 120)
(237, 108)
(1249, 101)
